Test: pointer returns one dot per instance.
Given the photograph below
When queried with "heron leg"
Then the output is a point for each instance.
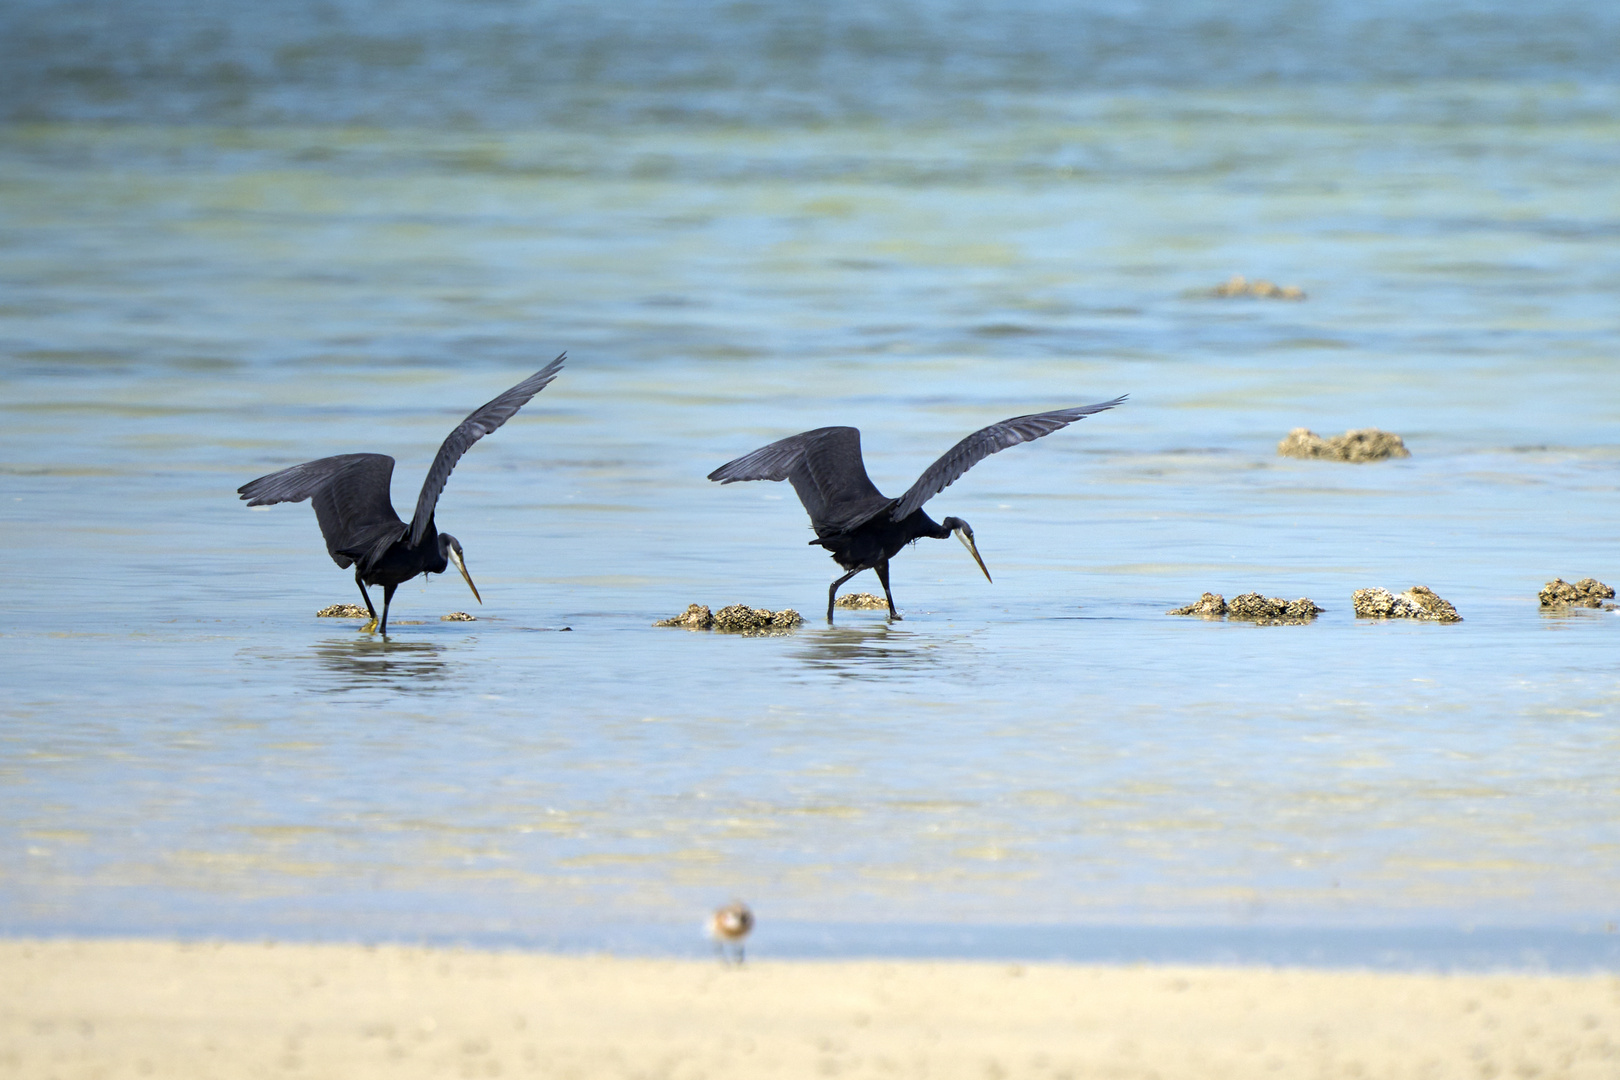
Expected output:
(882, 569)
(388, 598)
(832, 591)
(372, 625)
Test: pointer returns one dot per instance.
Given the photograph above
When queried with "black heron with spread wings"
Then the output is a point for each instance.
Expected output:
(857, 523)
(351, 497)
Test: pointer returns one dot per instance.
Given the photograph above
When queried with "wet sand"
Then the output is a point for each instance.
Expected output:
(112, 1009)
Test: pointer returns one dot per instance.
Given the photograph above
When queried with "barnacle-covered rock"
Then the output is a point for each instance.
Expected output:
(458, 616)
(695, 617)
(742, 619)
(1272, 609)
(861, 601)
(1418, 602)
(1587, 592)
(343, 611)
(1357, 447)
(1209, 606)
(1252, 607)
(736, 619)
(1260, 289)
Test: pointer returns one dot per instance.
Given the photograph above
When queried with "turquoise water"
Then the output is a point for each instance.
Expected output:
(201, 286)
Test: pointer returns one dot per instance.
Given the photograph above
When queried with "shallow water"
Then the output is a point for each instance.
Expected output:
(198, 298)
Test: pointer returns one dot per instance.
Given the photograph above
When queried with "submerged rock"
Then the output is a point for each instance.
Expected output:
(1252, 607)
(1587, 592)
(1418, 602)
(736, 619)
(1356, 447)
(343, 611)
(861, 601)
(458, 616)
(1209, 606)
(1260, 289)
(695, 617)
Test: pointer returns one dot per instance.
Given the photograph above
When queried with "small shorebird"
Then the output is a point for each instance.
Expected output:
(728, 926)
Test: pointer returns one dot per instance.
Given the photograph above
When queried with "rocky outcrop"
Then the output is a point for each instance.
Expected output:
(343, 611)
(1418, 602)
(1587, 592)
(1252, 607)
(1259, 289)
(736, 619)
(1356, 447)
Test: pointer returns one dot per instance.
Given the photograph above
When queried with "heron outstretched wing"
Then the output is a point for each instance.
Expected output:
(480, 422)
(984, 442)
(350, 493)
(826, 470)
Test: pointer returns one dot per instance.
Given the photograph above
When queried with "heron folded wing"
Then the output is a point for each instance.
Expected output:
(350, 493)
(367, 546)
(826, 471)
(480, 422)
(984, 442)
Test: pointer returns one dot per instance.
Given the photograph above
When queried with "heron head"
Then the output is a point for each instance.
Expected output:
(450, 548)
(964, 532)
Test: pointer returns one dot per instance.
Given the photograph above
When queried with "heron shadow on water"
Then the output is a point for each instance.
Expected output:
(351, 496)
(861, 528)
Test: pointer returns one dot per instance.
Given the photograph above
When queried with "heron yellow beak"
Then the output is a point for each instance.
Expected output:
(455, 557)
(967, 542)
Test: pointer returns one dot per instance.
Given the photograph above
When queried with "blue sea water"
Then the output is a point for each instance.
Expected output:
(235, 237)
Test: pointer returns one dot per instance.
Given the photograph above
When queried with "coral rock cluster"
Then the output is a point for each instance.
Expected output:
(1252, 607)
(1418, 602)
(1361, 445)
(1587, 592)
(861, 601)
(1209, 606)
(1260, 289)
(343, 611)
(742, 619)
(736, 619)
(695, 617)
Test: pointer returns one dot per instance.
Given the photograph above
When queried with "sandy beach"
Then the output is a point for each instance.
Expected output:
(110, 1009)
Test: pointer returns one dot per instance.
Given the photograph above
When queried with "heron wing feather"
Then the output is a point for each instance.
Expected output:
(984, 442)
(827, 473)
(350, 493)
(483, 420)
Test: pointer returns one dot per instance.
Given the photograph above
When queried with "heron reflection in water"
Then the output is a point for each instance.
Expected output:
(350, 493)
(362, 663)
(860, 526)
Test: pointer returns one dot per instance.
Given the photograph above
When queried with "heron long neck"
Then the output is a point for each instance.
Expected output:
(441, 545)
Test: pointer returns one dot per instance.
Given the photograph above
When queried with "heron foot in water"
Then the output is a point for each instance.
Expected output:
(370, 627)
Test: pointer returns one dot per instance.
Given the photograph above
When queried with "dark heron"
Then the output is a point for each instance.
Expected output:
(350, 494)
(857, 523)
